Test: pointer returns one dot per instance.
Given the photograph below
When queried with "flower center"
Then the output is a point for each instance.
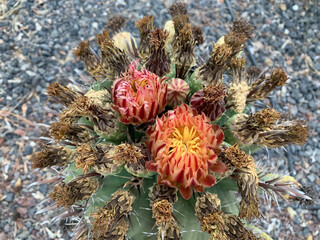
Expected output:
(185, 139)
(138, 83)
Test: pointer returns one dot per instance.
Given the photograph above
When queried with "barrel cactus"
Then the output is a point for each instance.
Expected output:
(159, 146)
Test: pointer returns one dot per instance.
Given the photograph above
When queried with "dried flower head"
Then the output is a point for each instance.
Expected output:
(115, 23)
(238, 158)
(270, 128)
(179, 22)
(162, 211)
(197, 35)
(211, 72)
(170, 231)
(114, 61)
(139, 95)
(159, 60)
(218, 224)
(145, 26)
(105, 163)
(51, 155)
(184, 146)
(262, 87)
(178, 8)
(86, 157)
(90, 60)
(72, 132)
(110, 221)
(66, 195)
(210, 101)
(160, 192)
(178, 91)
(63, 94)
(184, 54)
(248, 183)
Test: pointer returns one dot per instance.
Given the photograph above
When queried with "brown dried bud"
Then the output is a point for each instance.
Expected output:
(184, 54)
(145, 26)
(136, 164)
(242, 26)
(218, 224)
(102, 98)
(262, 87)
(179, 22)
(238, 158)
(207, 204)
(66, 195)
(63, 94)
(248, 183)
(178, 8)
(162, 212)
(211, 72)
(107, 226)
(104, 119)
(284, 133)
(235, 229)
(162, 192)
(110, 222)
(197, 35)
(51, 155)
(159, 60)
(104, 164)
(90, 60)
(86, 157)
(114, 61)
(210, 101)
(170, 231)
(115, 23)
(214, 224)
(69, 131)
(266, 117)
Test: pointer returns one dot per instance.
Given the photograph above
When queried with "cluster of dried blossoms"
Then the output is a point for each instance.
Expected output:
(160, 140)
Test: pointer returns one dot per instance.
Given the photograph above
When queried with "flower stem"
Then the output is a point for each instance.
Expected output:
(131, 132)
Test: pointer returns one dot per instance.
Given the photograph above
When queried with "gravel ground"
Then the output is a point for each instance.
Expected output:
(36, 44)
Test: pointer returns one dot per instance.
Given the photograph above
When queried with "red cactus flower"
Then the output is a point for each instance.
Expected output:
(184, 146)
(178, 90)
(139, 95)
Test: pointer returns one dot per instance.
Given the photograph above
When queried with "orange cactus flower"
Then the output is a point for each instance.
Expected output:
(139, 95)
(184, 146)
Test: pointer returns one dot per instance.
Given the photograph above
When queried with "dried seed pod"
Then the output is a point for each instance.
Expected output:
(105, 164)
(137, 165)
(235, 229)
(210, 101)
(145, 26)
(113, 60)
(159, 60)
(63, 94)
(162, 192)
(65, 195)
(90, 60)
(197, 35)
(51, 155)
(102, 98)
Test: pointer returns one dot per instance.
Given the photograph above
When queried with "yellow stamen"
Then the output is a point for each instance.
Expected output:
(185, 139)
